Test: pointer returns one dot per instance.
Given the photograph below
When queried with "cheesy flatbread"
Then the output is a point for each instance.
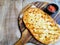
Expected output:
(41, 25)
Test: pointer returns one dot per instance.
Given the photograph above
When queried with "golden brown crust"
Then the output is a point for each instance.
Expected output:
(41, 25)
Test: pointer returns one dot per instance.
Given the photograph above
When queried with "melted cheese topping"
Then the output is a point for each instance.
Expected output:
(41, 25)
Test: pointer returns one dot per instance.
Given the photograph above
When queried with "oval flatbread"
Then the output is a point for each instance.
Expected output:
(41, 25)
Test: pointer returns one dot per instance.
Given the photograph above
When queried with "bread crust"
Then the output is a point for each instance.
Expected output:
(41, 25)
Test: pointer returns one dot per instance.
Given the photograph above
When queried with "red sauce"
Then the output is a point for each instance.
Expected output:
(51, 8)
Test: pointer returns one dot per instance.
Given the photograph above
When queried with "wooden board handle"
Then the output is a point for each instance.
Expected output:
(24, 39)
